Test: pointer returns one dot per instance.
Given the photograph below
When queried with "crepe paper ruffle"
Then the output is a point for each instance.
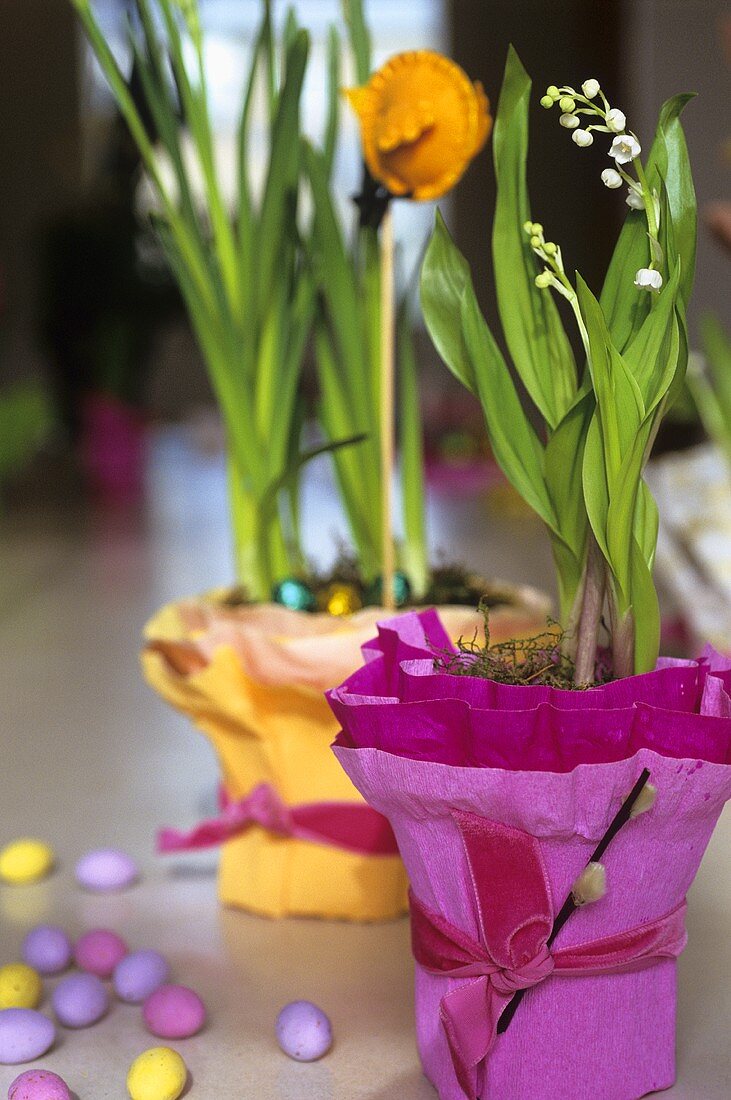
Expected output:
(418, 762)
(252, 679)
(422, 122)
(353, 826)
(516, 918)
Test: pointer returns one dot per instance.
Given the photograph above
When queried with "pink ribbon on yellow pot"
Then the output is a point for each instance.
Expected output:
(515, 918)
(353, 826)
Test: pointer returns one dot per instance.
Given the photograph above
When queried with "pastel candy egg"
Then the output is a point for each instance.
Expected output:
(106, 869)
(99, 952)
(140, 974)
(80, 1000)
(20, 986)
(47, 949)
(24, 1035)
(174, 1012)
(303, 1031)
(39, 1084)
(25, 860)
(157, 1074)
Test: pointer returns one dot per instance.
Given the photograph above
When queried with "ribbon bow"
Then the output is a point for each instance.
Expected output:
(515, 919)
(353, 826)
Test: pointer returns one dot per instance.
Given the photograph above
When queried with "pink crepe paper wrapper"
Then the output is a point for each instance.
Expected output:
(421, 744)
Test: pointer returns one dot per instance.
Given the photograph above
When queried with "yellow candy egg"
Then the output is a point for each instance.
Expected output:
(20, 986)
(157, 1074)
(25, 860)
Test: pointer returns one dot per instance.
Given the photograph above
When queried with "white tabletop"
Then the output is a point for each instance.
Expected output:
(91, 757)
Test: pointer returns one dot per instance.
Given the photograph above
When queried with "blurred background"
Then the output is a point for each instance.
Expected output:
(106, 418)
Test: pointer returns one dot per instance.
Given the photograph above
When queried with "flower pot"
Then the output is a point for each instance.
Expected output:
(498, 796)
(297, 836)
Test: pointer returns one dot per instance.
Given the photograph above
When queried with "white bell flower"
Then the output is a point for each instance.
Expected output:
(634, 200)
(569, 122)
(625, 148)
(648, 279)
(611, 178)
(590, 88)
(616, 120)
(582, 138)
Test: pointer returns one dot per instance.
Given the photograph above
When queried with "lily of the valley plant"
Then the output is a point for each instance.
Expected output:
(578, 456)
(248, 292)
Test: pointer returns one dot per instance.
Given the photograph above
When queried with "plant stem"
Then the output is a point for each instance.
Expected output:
(592, 603)
(386, 406)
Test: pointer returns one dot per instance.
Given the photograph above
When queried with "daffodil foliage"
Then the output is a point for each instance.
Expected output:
(239, 263)
(347, 340)
(577, 457)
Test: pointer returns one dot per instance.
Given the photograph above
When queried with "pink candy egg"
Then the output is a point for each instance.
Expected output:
(174, 1012)
(39, 1084)
(99, 951)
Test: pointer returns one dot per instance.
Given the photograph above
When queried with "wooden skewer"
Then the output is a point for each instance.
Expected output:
(387, 400)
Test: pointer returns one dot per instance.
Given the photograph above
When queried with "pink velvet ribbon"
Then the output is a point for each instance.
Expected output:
(515, 919)
(353, 826)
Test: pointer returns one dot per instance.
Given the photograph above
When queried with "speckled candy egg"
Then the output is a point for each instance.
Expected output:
(157, 1074)
(80, 1000)
(106, 869)
(20, 986)
(174, 1012)
(47, 949)
(39, 1084)
(25, 860)
(99, 952)
(24, 1035)
(139, 975)
(303, 1031)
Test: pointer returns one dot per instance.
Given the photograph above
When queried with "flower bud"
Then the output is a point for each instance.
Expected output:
(546, 101)
(582, 138)
(544, 280)
(566, 103)
(616, 120)
(634, 200)
(570, 122)
(550, 248)
(528, 228)
(590, 88)
(535, 242)
(537, 229)
(648, 279)
(611, 178)
(553, 91)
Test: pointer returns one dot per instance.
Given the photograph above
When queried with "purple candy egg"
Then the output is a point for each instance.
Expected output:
(99, 952)
(106, 869)
(80, 1000)
(24, 1035)
(39, 1084)
(139, 975)
(47, 949)
(174, 1012)
(303, 1031)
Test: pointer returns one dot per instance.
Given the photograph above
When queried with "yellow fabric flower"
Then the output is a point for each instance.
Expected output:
(422, 121)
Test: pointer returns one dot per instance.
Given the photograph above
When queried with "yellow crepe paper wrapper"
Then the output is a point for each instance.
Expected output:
(252, 679)
(422, 121)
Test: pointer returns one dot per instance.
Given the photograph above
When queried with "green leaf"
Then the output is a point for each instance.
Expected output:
(276, 221)
(414, 551)
(360, 39)
(445, 275)
(535, 336)
(625, 307)
(514, 442)
(646, 613)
